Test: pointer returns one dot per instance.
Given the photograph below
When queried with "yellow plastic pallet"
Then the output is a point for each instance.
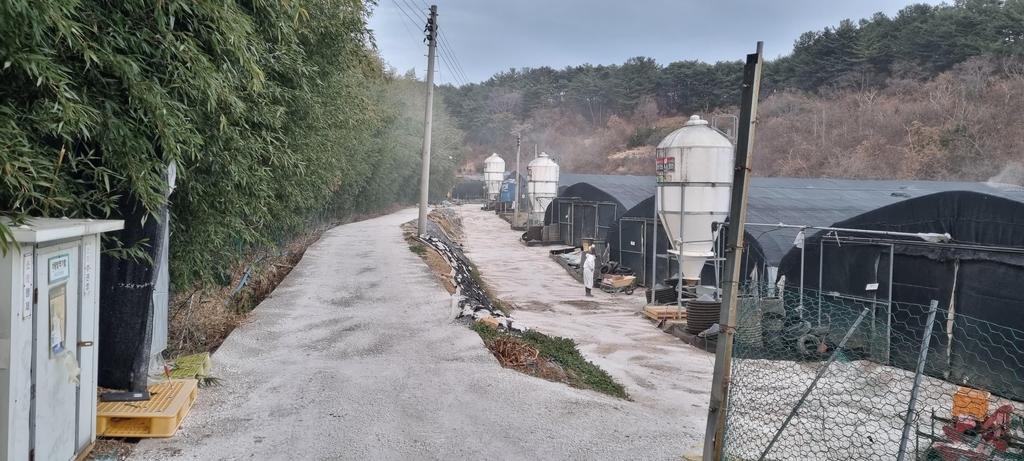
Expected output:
(158, 417)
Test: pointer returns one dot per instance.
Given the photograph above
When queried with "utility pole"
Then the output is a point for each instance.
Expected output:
(519, 192)
(425, 175)
(713, 443)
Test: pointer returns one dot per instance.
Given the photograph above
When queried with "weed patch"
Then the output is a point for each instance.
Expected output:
(419, 249)
(579, 372)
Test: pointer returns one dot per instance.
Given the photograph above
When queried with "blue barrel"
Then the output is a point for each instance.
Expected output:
(508, 191)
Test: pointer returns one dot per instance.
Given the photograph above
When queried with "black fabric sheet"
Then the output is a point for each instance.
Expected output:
(126, 302)
(988, 302)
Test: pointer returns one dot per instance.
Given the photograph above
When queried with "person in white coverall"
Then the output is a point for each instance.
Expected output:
(588, 272)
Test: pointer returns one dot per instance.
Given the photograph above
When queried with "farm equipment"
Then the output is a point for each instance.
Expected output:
(618, 283)
(967, 437)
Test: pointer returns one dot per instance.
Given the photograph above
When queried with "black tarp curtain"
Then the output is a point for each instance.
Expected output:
(624, 241)
(980, 271)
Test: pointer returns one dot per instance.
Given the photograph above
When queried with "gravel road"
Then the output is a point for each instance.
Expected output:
(355, 356)
(670, 377)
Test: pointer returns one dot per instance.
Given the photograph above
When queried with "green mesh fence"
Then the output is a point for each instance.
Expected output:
(833, 378)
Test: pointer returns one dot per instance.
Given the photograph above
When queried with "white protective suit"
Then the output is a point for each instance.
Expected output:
(588, 271)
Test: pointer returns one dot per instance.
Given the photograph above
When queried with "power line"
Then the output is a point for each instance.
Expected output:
(404, 23)
(454, 74)
(454, 67)
(452, 62)
(458, 64)
(411, 8)
(449, 63)
(443, 43)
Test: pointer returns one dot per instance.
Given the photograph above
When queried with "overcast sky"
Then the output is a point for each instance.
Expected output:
(491, 36)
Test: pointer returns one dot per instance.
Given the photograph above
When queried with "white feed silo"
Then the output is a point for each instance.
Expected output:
(494, 174)
(542, 187)
(694, 169)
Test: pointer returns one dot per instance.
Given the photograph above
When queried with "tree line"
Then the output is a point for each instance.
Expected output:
(918, 43)
(275, 113)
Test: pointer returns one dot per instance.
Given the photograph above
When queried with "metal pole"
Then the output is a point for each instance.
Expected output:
(428, 118)
(821, 372)
(654, 243)
(888, 307)
(713, 441)
(718, 245)
(821, 268)
(949, 319)
(919, 235)
(917, 381)
(679, 284)
(803, 247)
(519, 192)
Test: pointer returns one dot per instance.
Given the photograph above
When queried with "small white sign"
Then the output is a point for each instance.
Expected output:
(60, 267)
(26, 285)
(872, 287)
(87, 271)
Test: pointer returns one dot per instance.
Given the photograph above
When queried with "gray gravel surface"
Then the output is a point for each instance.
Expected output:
(356, 356)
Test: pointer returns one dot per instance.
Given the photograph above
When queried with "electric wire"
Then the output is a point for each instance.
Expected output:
(448, 59)
(444, 48)
(455, 76)
(444, 41)
(412, 8)
(404, 22)
(451, 52)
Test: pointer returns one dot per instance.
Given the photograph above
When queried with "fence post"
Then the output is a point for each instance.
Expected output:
(912, 406)
(713, 437)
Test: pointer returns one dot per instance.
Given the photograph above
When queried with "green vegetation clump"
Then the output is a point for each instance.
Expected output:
(641, 136)
(563, 351)
(419, 249)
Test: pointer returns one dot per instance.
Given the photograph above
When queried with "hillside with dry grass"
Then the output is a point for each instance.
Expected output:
(966, 124)
(933, 92)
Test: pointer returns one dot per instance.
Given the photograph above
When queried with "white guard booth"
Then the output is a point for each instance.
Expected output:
(49, 281)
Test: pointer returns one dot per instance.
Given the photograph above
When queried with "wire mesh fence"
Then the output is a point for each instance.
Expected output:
(833, 377)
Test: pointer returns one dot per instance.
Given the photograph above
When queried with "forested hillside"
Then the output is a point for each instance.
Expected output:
(276, 114)
(932, 92)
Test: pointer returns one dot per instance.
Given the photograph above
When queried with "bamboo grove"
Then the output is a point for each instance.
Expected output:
(275, 113)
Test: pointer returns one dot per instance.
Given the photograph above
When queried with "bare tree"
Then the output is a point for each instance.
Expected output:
(504, 101)
(646, 112)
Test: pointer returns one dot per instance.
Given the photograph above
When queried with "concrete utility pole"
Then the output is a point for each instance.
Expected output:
(425, 176)
(713, 442)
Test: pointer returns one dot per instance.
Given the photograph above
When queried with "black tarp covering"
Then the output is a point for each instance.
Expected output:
(470, 189)
(985, 256)
(630, 238)
(126, 301)
(624, 191)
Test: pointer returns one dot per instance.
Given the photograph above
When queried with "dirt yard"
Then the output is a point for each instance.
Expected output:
(658, 370)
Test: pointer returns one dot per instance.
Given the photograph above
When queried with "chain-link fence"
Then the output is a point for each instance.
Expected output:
(830, 376)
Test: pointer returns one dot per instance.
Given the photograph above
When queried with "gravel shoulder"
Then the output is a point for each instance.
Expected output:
(669, 378)
(356, 356)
